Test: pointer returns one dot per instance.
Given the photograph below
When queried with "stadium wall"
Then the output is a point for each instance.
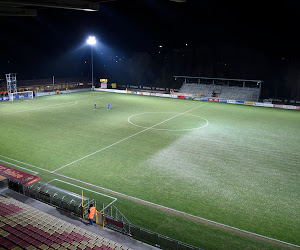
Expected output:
(207, 99)
(6, 98)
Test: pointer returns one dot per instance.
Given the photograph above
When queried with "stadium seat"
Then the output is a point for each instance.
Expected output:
(22, 226)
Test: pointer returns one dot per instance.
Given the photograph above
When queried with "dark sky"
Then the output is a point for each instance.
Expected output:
(54, 41)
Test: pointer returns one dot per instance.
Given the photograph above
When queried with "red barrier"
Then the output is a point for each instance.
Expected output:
(17, 175)
(113, 222)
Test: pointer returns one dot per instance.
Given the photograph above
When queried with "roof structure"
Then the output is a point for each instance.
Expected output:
(30, 8)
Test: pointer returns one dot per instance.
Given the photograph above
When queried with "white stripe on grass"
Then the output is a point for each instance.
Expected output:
(90, 190)
(18, 166)
(179, 212)
(25, 163)
(144, 130)
(44, 107)
(167, 208)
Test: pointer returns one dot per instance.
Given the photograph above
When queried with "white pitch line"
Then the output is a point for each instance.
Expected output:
(25, 163)
(162, 129)
(180, 212)
(45, 107)
(146, 129)
(82, 188)
(113, 198)
(19, 166)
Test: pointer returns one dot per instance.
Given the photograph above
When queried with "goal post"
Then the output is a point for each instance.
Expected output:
(20, 95)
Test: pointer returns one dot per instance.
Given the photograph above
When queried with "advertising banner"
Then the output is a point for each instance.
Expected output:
(213, 100)
(180, 96)
(298, 107)
(17, 175)
(249, 103)
(204, 99)
(231, 101)
(268, 105)
(5, 98)
(284, 106)
(261, 104)
(240, 102)
(223, 100)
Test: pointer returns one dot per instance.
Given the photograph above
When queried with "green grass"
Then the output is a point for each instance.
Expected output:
(241, 169)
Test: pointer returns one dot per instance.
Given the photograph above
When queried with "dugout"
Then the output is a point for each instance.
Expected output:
(63, 199)
(112, 217)
(3, 182)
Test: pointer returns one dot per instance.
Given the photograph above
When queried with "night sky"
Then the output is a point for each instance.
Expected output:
(213, 38)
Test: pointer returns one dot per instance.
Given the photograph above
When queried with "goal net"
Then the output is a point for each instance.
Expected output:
(20, 95)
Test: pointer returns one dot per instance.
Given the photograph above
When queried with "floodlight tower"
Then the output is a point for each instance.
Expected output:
(11, 81)
(92, 41)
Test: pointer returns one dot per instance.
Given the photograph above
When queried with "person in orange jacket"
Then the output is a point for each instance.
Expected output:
(91, 214)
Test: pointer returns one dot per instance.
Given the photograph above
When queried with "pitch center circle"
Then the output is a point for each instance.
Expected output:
(145, 116)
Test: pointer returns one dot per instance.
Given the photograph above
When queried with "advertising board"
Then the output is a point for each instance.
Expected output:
(17, 175)
(261, 104)
(231, 101)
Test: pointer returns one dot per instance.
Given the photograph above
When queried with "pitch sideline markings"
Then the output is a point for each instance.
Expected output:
(82, 188)
(146, 129)
(25, 164)
(113, 198)
(45, 107)
(51, 106)
(177, 211)
(19, 166)
(164, 207)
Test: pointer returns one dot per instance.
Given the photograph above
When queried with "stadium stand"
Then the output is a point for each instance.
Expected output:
(226, 92)
(222, 88)
(25, 227)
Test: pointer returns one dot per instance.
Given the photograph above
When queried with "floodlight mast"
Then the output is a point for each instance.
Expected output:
(92, 41)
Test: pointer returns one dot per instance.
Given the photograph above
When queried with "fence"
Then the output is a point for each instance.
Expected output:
(110, 216)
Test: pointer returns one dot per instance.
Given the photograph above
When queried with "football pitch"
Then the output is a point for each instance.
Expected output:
(176, 166)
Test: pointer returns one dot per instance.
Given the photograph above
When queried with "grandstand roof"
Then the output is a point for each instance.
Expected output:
(29, 8)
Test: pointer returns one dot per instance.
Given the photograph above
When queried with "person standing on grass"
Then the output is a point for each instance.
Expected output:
(91, 214)
(95, 106)
(108, 106)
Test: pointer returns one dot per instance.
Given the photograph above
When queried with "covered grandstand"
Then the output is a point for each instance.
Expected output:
(235, 89)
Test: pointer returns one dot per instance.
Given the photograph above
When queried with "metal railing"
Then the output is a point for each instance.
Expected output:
(111, 217)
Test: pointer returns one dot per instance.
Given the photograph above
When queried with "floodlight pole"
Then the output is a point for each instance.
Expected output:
(92, 67)
(53, 83)
(92, 41)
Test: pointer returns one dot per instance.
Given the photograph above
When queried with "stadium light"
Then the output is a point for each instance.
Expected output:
(92, 41)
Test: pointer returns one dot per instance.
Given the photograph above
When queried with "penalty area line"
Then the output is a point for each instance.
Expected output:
(150, 203)
(142, 131)
(177, 211)
(90, 190)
